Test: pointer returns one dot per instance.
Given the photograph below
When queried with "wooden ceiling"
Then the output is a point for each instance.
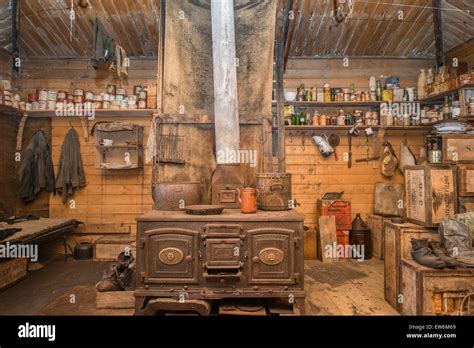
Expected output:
(45, 27)
(5, 25)
(374, 29)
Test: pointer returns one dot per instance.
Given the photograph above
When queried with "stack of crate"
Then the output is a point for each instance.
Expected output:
(341, 210)
(432, 192)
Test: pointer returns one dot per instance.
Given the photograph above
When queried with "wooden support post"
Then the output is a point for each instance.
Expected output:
(280, 107)
(438, 33)
(280, 49)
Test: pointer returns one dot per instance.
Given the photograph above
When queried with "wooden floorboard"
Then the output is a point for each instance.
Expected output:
(346, 288)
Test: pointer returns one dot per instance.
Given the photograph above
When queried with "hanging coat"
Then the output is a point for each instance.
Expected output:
(70, 169)
(36, 169)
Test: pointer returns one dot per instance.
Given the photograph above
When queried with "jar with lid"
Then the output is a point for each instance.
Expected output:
(316, 118)
(406, 120)
(347, 94)
(333, 120)
(327, 92)
(456, 109)
(341, 118)
(320, 96)
(323, 120)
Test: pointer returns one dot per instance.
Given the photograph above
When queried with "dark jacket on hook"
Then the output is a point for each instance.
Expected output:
(70, 169)
(36, 169)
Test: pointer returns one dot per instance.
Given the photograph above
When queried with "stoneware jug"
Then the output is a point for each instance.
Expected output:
(248, 200)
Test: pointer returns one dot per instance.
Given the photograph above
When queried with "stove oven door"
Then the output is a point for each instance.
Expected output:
(171, 256)
(272, 256)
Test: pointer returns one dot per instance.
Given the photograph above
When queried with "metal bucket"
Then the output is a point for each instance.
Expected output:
(275, 191)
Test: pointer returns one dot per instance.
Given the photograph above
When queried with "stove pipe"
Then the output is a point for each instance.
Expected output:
(226, 113)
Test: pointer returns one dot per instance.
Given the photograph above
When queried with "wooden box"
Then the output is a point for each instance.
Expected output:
(465, 180)
(466, 204)
(12, 271)
(376, 224)
(428, 291)
(310, 247)
(457, 148)
(397, 246)
(108, 248)
(430, 193)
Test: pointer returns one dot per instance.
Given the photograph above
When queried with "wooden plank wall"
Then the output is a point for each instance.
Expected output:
(464, 53)
(10, 203)
(5, 65)
(118, 197)
(314, 175)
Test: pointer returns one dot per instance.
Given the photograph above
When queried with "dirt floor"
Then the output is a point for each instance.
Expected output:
(67, 288)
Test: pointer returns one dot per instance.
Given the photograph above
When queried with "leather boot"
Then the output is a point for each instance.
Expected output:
(456, 237)
(124, 261)
(424, 255)
(110, 281)
(439, 251)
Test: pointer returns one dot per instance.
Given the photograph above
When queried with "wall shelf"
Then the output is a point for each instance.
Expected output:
(390, 128)
(331, 104)
(440, 96)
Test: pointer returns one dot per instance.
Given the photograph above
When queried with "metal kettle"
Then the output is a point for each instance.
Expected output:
(323, 144)
(248, 200)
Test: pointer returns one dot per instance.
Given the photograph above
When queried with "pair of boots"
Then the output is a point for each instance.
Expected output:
(455, 250)
(431, 254)
(119, 277)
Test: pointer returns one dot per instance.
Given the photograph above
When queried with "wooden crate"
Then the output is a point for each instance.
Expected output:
(310, 247)
(108, 248)
(465, 180)
(428, 291)
(465, 204)
(12, 271)
(457, 148)
(388, 199)
(397, 246)
(430, 193)
(339, 208)
(376, 224)
(115, 300)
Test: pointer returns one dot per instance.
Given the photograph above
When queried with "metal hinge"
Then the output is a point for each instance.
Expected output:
(297, 242)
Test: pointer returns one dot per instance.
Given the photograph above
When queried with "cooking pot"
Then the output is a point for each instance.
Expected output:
(83, 251)
(275, 191)
(172, 196)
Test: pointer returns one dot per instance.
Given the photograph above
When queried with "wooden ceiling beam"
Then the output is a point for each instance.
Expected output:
(438, 32)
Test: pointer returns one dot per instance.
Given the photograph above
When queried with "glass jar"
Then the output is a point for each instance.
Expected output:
(327, 93)
(316, 118)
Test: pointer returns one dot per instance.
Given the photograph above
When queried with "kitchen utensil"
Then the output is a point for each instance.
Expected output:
(368, 159)
(323, 144)
(334, 141)
(204, 209)
(275, 191)
(349, 157)
(290, 96)
(248, 200)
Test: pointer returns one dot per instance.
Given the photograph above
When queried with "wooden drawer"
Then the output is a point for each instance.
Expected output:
(465, 180)
(428, 291)
(397, 247)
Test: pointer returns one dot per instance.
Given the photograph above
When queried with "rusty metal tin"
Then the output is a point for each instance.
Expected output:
(275, 191)
(172, 196)
(111, 89)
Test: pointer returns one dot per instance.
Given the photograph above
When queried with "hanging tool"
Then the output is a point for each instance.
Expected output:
(368, 159)
(354, 132)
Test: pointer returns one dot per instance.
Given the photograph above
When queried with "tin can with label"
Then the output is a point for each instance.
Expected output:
(111, 89)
